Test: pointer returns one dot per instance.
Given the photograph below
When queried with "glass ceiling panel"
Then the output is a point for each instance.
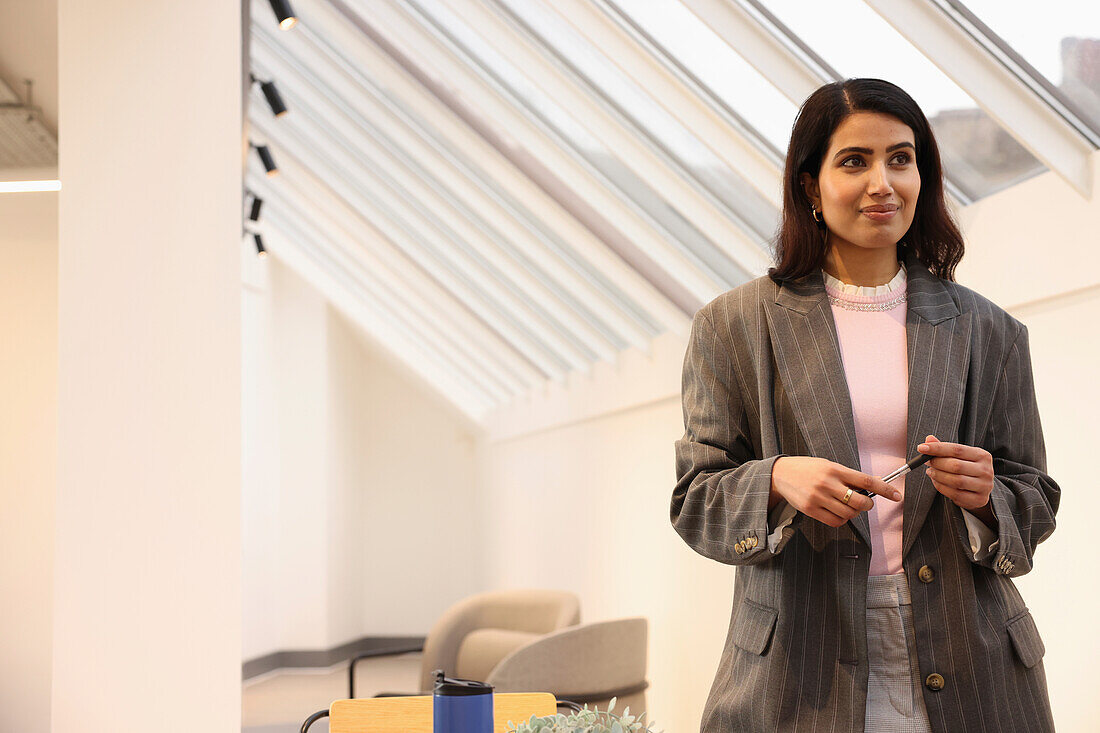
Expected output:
(725, 185)
(707, 57)
(1062, 42)
(647, 200)
(979, 156)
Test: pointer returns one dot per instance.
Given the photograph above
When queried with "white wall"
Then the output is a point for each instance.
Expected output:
(284, 432)
(1062, 591)
(28, 455)
(357, 478)
(406, 463)
(146, 628)
(580, 499)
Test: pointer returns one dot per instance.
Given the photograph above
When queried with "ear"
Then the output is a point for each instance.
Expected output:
(809, 185)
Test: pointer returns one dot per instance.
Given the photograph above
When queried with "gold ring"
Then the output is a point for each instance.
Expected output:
(847, 496)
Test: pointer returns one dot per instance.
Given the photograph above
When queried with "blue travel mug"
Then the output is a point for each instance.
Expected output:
(461, 706)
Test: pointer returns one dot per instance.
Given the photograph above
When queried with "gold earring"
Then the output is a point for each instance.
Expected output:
(816, 215)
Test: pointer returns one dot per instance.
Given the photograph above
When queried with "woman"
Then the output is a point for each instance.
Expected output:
(892, 611)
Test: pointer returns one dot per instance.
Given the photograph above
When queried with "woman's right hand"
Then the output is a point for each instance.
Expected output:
(816, 487)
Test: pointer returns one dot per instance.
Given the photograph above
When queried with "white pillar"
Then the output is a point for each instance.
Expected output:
(28, 455)
(147, 558)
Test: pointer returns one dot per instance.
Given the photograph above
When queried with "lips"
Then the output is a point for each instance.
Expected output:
(879, 208)
(880, 216)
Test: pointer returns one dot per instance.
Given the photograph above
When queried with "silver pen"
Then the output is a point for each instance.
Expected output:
(899, 472)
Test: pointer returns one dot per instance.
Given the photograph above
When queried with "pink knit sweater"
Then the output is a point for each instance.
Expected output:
(870, 324)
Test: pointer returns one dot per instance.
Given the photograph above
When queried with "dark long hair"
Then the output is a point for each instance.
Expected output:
(799, 247)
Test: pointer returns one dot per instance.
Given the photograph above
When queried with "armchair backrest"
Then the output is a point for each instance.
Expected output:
(589, 663)
(524, 611)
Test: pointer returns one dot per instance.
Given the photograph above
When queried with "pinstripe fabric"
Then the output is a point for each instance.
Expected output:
(763, 378)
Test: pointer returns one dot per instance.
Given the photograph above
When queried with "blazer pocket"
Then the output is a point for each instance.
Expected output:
(753, 627)
(1025, 638)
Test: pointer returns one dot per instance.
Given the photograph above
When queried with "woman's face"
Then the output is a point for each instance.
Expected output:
(868, 183)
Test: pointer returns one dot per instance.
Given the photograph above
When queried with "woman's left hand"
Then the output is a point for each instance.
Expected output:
(962, 473)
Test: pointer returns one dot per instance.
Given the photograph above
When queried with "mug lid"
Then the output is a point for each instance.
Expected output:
(453, 686)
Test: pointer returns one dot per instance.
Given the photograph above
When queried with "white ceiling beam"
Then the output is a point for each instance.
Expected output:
(400, 203)
(454, 132)
(347, 298)
(498, 31)
(777, 60)
(993, 81)
(299, 193)
(473, 190)
(379, 235)
(593, 20)
(333, 247)
(511, 123)
(448, 191)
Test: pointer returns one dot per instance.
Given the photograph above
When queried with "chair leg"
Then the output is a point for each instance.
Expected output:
(313, 719)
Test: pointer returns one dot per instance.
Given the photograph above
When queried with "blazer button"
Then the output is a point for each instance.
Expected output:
(934, 682)
(926, 574)
(738, 548)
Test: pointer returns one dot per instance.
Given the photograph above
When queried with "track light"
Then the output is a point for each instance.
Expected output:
(268, 161)
(271, 94)
(274, 100)
(254, 214)
(260, 251)
(284, 13)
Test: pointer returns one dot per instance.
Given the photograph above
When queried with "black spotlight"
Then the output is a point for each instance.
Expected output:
(271, 94)
(284, 13)
(254, 214)
(260, 251)
(274, 100)
(268, 161)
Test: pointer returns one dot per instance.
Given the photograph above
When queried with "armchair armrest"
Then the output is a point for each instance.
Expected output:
(374, 653)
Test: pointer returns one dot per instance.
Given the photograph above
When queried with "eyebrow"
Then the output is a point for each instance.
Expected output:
(868, 151)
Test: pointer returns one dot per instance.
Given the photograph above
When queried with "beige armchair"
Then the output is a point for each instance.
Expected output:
(532, 641)
(476, 633)
(587, 664)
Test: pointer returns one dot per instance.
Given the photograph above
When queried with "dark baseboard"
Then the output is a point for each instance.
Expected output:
(328, 657)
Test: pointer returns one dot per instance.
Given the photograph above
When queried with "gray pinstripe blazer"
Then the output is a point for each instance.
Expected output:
(763, 378)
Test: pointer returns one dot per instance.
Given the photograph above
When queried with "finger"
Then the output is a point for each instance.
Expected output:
(960, 497)
(847, 511)
(833, 514)
(864, 482)
(856, 502)
(961, 482)
(934, 447)
(955, 487)
(958, 467)
(949, 491)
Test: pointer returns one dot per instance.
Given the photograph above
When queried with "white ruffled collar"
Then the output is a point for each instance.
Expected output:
(866, 291)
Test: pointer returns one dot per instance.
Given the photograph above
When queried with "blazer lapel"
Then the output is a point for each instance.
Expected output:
(807, 350)
(804, 340)
(938, 339)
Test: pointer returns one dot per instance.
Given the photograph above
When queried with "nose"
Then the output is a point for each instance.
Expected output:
(879, 180)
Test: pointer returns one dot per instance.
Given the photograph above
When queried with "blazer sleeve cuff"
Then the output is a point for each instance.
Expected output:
(779, 518)
(983, 542)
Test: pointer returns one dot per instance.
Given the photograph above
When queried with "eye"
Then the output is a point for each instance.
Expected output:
(844, 163)
(905, 158)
